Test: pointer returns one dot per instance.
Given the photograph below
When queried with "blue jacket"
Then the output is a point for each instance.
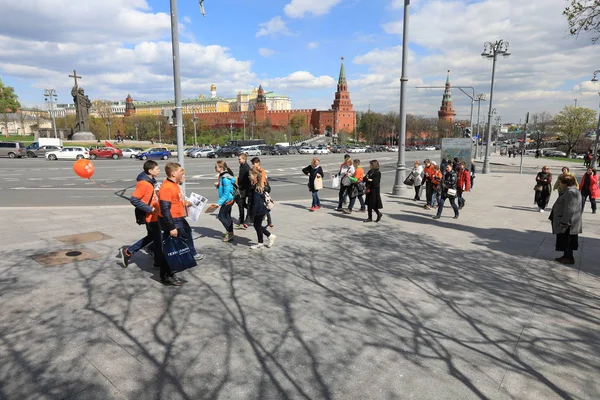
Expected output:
(256, 205)
(138, 203)
(226, 182)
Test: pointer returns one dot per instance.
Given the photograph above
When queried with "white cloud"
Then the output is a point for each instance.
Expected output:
(312, 45)
(297, 8)
(276, 26)
(187, 20)
(301, 80)
(265, 52)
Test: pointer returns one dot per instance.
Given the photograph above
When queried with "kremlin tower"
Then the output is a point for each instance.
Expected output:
(446, 112)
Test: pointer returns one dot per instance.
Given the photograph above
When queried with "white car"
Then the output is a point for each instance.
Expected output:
(322, 150)
(430, 148)
(252, 151)
(130, 153)
(356, 150)
(202, 153)
(68, 153)
(393, 149)
(306, 150)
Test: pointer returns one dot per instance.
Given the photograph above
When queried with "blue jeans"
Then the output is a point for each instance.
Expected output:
(225, 217)
(315, 199)
(442, 200)
(360, 200)
(584, 199)
(152, 236)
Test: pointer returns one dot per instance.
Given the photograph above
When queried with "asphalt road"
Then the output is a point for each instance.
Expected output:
(38, 182)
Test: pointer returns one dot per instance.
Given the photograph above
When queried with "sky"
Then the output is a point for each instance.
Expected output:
(294, 47)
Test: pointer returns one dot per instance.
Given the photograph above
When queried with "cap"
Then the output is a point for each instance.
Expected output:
(433, 163)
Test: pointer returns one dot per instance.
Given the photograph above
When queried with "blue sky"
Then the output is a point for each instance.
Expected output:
(294, 47)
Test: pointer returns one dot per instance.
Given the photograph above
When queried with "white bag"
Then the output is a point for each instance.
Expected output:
(318, 183)
(335, 181)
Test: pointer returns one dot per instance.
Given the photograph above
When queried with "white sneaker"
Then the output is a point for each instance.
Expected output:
(257, 246)
(541, 210)
(271, 240)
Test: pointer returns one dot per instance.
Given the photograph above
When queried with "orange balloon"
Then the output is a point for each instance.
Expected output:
(84, 168)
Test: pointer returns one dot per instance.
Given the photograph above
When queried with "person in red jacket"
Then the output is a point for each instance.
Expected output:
(589, 188)
(464, 183)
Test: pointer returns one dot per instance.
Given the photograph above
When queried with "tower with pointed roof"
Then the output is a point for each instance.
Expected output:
(342, 96)
(447, 112)
(343, 117)
(129, 106)
(260, 109)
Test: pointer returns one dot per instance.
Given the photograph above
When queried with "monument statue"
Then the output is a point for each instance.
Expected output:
(82, 107)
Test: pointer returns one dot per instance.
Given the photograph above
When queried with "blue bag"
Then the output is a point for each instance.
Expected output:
(178, 254)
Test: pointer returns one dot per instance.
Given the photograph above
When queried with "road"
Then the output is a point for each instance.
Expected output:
(38, 182)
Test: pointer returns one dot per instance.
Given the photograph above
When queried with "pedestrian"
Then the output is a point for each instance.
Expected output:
(267, 188)
(357, 187)
(538, 153)
(257, 208)
(145, 199)
(558, 186)
(345, 172)
(373, 190)
(314, 172)
(589, 188)
(226, 198)
(436, 181)
(417, 175)
(243, 183)
(448, 190)
(566, 220)
(542, 188)
(463, 183)
(472, 173)
(428, 173)
(172, 219)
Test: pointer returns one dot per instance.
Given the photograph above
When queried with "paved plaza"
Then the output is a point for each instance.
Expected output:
(473, 308)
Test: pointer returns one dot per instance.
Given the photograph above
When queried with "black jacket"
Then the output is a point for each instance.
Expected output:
(244, 177)
(449, 181)
(256, 203)
(312, 174)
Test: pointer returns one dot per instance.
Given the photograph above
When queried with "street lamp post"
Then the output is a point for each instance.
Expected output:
(399, 186)
(108, 123)
(195, 122)
(231, 128)
(479, 98)
(50, 98)
(244, 119)
(491, 51)
(159, 123)
(137, 137)
(595, 79)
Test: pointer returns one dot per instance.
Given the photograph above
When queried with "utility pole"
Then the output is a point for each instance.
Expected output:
(159, 123)
(50, 98)
(523, 143)
(137, 137)
(244, 119)
(195, 121)
(231, 128)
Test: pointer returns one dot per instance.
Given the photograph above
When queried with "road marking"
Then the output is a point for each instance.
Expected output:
(36, 179)
(46, 186)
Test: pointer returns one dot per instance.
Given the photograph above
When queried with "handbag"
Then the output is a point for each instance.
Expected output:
(353, 191)
(361, 187)
(346, 180)
(335, 181)
(140, 216)
(451, 192)
(410, 180)
(538, 188)
(178, 254)
(318, 183)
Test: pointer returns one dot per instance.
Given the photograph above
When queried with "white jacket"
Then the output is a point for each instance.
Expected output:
(417, 173)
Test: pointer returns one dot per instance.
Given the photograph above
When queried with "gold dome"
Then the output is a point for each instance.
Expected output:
(213, 87)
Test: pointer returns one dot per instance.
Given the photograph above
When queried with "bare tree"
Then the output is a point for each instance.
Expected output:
(542, 123)
(22, 120)
(583, 16)
(104, 109)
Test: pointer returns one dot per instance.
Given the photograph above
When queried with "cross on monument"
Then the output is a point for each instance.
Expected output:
(74, 76)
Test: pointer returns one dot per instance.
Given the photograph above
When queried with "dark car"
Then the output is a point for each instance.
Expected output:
(40, 151)
(161, 153)
(225, 152)
(106, 152)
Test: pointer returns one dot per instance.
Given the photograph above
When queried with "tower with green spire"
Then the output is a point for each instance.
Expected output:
(342, 96)
(447, 112)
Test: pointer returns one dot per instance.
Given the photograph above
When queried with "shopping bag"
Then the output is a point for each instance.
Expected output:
(178, 254)
(335, 181)
(318, 183)
(410, 180)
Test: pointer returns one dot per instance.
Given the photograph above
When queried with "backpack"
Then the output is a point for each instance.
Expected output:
(269, 203)
(236, 191)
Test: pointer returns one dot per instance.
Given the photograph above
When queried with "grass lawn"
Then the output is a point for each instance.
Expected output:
(13, 138)
(572, 160)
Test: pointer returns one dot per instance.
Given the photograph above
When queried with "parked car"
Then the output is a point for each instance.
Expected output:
(12, 149)
(129, 153)
(322, 150)
(225, 152)
(307, 150)
(265, 148)
(202, 152)
(106, 152)
(556, 153)
(161, 153)
(393, 148)
(430, 148)
(68, 153)
(281, 150)
(41, 151)
(252, 151)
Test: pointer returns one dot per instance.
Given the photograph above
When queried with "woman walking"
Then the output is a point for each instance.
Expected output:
(315, 173)
(257, 208)
(566, 220)
(542, 188)
(226, 197)
(589, 188)
(373, 189)
(357, 188)
(417, 175)
(448, 191)
(346, 171)
(558, 186)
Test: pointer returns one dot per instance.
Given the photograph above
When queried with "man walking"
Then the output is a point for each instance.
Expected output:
(145, 200)
(243, 183)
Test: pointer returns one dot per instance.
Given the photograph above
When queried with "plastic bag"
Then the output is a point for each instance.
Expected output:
(335, 181)
(178, 254)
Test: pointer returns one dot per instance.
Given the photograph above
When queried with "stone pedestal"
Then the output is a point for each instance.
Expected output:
(83, 136)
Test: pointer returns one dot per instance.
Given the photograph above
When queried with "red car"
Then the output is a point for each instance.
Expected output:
(106, 152)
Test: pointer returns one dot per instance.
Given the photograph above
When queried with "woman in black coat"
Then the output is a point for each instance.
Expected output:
(314, 171)
(373, 189)
(543, 188)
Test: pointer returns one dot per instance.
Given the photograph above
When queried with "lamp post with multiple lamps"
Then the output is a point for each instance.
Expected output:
(108, 124)
(159, 123)
(595, 79)
(50, 98)
(399, 186)
(478, 98)
(491, 51)
(195, 122)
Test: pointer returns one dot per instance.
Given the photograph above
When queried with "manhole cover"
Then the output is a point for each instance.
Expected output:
(82, 238)
(64, 257)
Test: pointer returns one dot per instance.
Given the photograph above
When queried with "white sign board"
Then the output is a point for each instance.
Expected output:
(460, 148)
